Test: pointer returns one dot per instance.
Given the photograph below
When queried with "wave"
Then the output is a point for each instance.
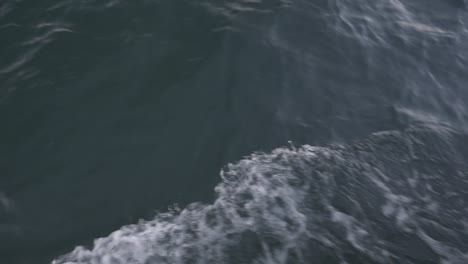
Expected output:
(394, 197)
(398, 196)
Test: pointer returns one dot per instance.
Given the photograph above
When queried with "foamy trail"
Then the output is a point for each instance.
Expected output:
(395, 197)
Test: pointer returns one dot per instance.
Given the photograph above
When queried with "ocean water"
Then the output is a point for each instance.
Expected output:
(240, 131)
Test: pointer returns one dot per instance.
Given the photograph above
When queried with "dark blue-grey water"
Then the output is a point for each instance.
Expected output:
(340, 128)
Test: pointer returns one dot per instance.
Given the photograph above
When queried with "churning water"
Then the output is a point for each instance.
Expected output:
(355, 112)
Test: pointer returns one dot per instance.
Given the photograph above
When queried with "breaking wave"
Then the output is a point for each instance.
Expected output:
(395, 197)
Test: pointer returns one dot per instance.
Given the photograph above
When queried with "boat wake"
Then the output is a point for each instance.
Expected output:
(395, 197)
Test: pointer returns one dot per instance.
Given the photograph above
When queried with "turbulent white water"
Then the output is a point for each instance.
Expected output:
(325, 70)
(396, 197)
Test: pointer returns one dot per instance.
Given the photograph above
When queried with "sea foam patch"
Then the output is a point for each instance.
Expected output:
(388, 198)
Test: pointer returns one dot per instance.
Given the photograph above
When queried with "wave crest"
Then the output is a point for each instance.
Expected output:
(395, 196)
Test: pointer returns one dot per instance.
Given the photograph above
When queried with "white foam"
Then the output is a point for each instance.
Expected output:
(282, 207)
